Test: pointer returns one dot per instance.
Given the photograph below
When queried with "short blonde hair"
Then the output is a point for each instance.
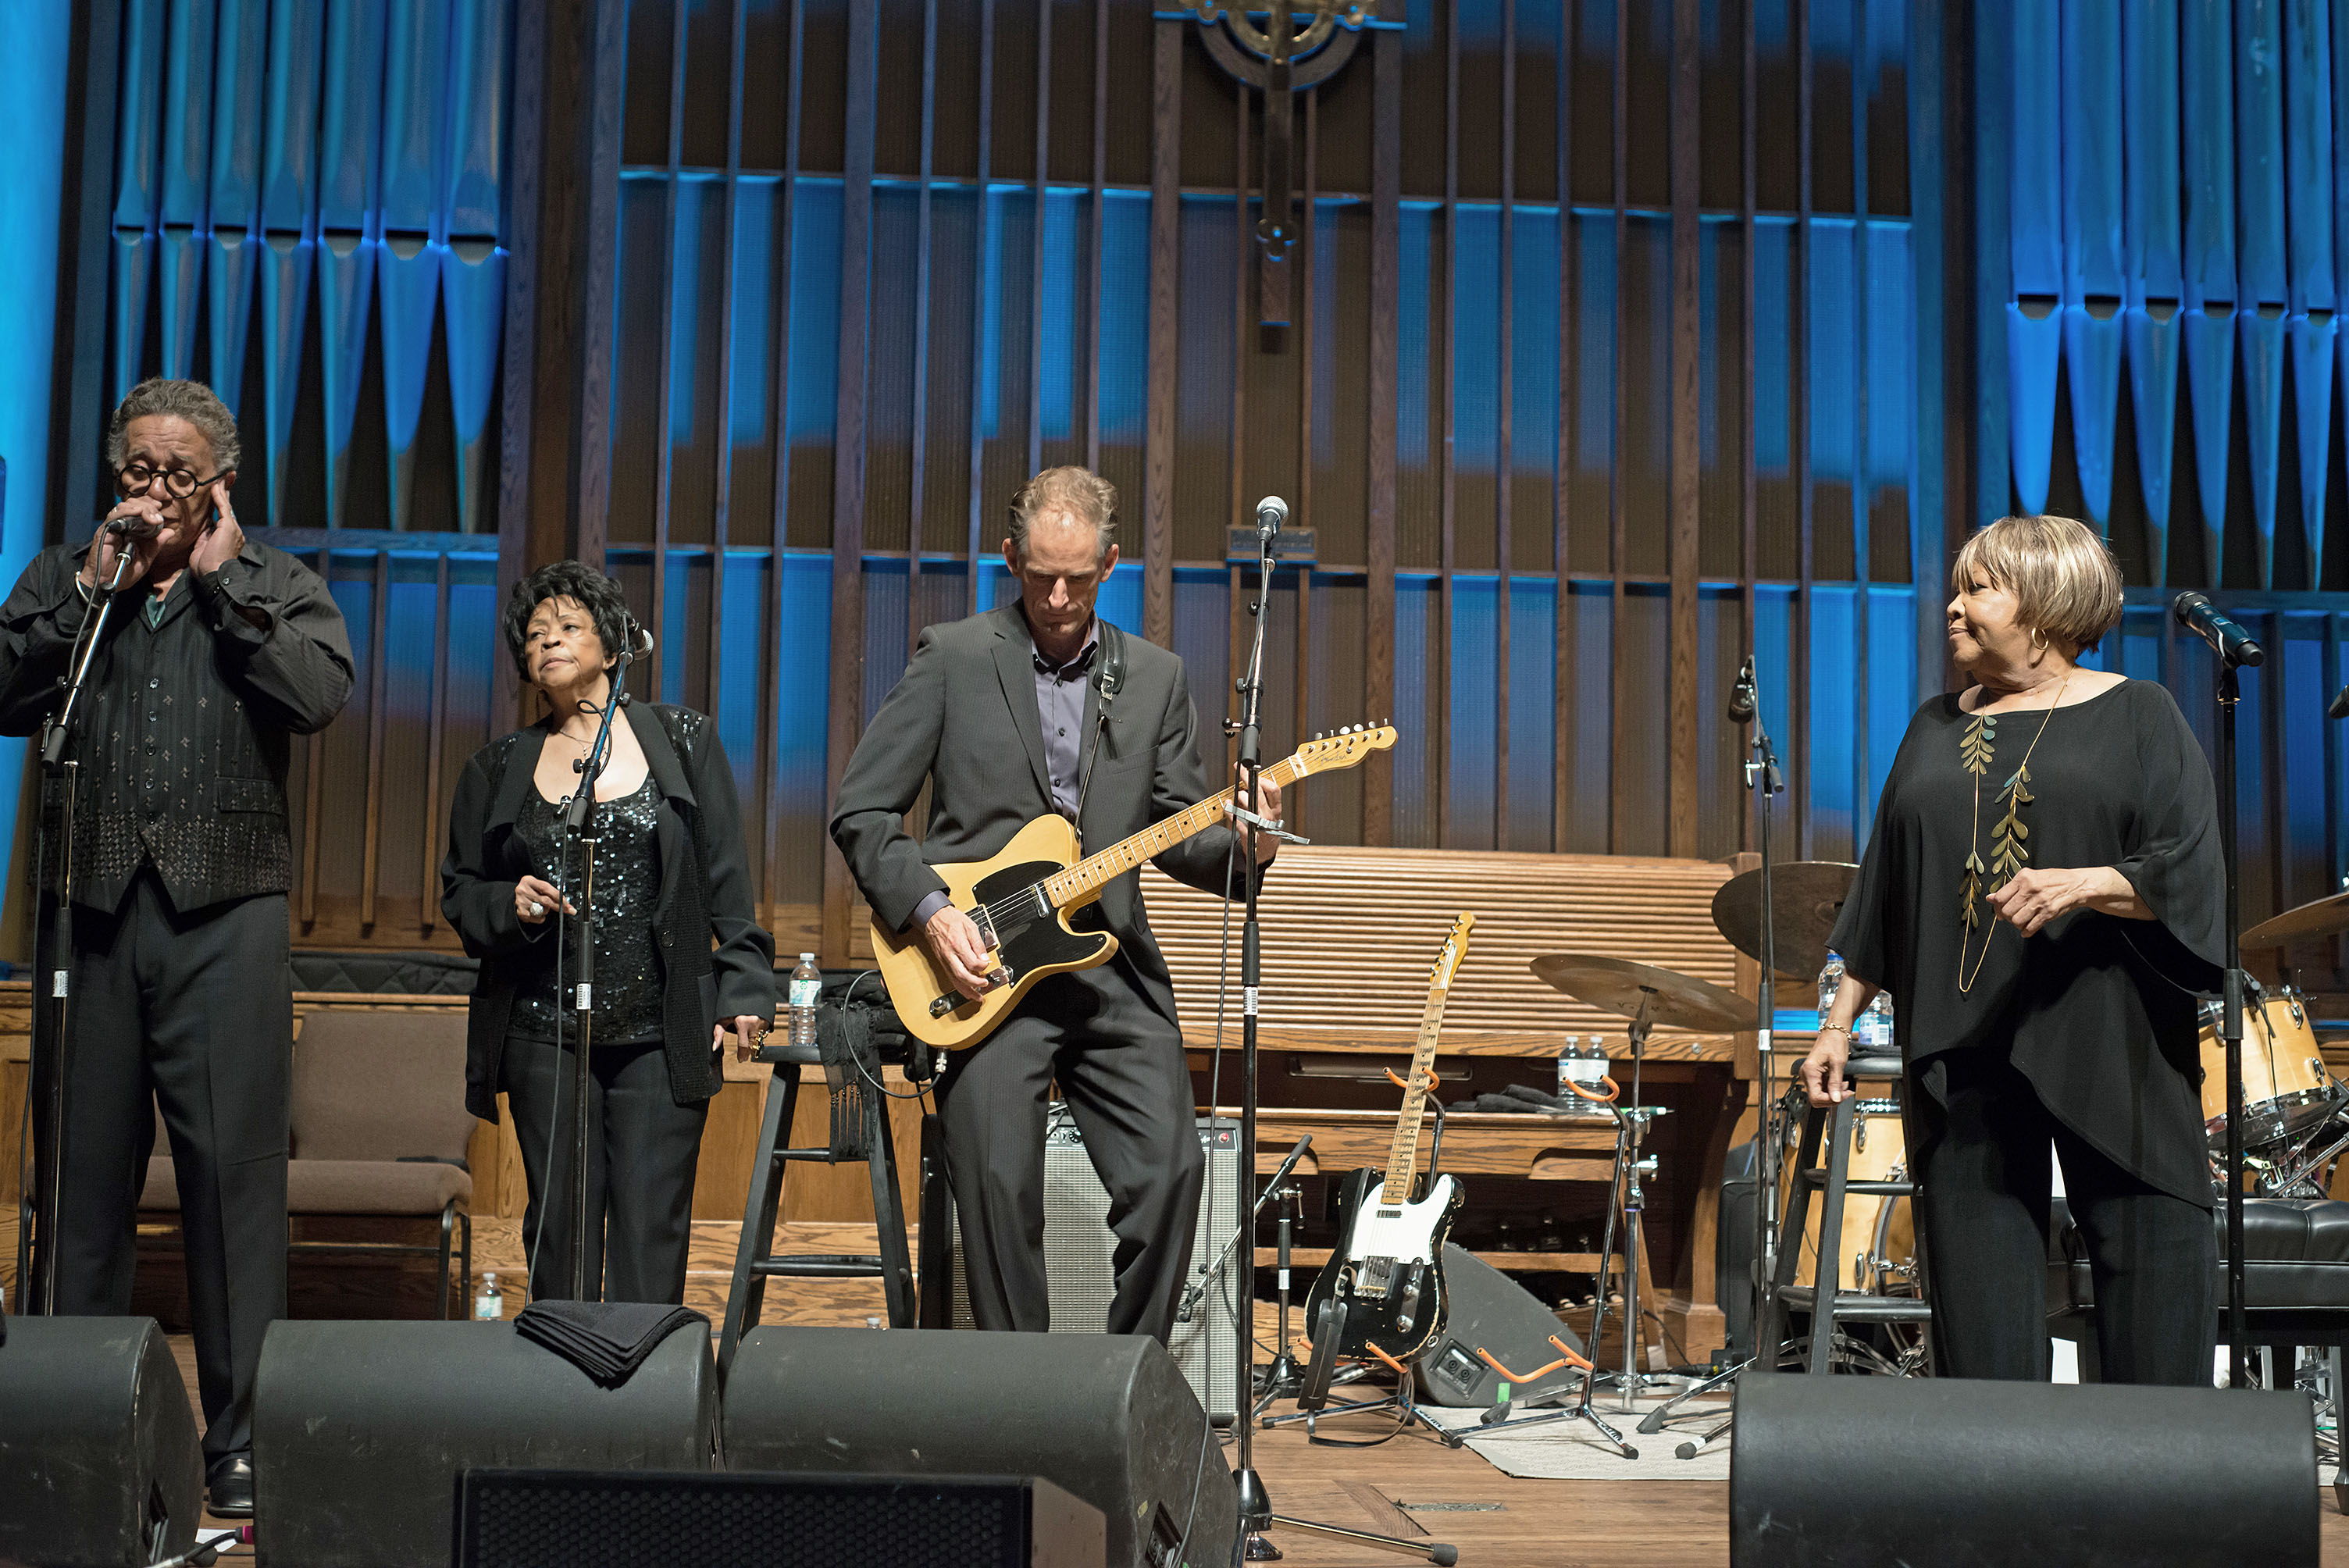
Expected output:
(1079, 491)
(2064, 578)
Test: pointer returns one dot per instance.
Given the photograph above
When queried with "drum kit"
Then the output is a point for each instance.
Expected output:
(2295, 1113)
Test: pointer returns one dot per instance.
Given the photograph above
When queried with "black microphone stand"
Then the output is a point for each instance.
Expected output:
(1764, 778)
(2230, 1020)
(2197, 614)
(1256, 1515)
(579, 825)
(53, 956)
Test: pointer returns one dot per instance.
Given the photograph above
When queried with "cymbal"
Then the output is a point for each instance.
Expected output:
(1807, 895)
(2322, 917)
(1676, 1001)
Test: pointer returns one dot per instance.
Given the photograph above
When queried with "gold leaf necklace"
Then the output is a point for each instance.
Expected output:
(2008, 849)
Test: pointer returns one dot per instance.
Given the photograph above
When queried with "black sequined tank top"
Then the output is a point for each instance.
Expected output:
(627, 1007)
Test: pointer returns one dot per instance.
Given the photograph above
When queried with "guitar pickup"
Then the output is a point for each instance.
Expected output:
(997, 977)
(947, 1002)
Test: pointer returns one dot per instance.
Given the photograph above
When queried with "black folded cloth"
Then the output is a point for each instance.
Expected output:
(609, 1340)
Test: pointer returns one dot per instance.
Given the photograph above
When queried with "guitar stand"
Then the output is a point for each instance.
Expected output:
(1312, 1401)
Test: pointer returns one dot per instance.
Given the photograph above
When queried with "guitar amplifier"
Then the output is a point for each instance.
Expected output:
(1077, 1246)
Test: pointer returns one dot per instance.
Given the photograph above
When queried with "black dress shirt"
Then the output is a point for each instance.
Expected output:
(188, 716)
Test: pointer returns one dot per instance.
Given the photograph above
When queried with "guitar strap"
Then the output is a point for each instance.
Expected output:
(1111, 678)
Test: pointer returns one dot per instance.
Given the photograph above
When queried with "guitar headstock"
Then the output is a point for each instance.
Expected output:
(1341, 748)
(1455, 950)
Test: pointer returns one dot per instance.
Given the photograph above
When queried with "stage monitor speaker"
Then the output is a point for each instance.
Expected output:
(586, 1519)
(1487, 1310)
(1107, 1416)
(1078, 1245)
(1937, 1472)
(100, 1465)
(360, 1429)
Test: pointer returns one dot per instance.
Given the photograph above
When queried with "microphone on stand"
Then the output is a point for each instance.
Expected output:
(2340, 708)
(1270, 513)
(640, 638)
(2230, 642)
(1742, 702)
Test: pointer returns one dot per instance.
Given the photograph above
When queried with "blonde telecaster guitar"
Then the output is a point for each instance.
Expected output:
(1386, 1268)
(1021, 898)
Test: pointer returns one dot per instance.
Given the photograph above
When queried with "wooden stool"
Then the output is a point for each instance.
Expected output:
(755, 1258)
(1834, 1180)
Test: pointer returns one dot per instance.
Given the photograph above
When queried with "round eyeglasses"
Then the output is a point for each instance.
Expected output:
(138, 479)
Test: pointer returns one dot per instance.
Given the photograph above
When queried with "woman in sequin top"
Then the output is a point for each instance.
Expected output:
(681, 964)
(2043, 897)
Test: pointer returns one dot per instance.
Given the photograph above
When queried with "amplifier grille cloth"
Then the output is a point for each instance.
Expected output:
(1078, 1245)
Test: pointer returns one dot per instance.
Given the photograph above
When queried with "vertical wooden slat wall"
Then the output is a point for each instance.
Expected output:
(845, 704)
(1585, 283)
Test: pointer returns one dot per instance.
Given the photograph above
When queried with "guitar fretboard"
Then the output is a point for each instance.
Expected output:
(1402, 1156)
(1094, 872)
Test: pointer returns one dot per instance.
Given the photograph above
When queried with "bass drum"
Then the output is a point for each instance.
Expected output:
(2285, 1089)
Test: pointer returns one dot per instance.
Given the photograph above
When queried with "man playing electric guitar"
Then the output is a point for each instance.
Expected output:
(1031, 708)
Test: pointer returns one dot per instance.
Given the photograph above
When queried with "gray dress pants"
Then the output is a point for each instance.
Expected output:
(1120, 1069)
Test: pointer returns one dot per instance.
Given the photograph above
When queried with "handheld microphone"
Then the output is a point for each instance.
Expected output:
(130, 527)
(1742, 700)
(2230, 642)
(2339, 709)
(1270, 513)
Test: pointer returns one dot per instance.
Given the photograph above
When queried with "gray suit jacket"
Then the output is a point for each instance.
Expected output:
(964, 717)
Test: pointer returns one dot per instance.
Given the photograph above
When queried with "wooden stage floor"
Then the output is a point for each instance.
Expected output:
(1413, 1486)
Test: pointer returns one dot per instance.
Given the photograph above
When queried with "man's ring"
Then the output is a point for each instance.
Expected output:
(537, 910)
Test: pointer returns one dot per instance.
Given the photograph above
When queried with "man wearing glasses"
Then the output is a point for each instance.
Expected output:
(219, 651)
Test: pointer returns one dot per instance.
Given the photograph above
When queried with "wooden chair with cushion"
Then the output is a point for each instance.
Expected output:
(379, 1131)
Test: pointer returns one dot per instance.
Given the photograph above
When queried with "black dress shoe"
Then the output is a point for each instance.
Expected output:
(229, 1487)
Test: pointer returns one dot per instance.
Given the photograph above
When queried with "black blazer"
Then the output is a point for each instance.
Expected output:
(964, 717)
(705, 894)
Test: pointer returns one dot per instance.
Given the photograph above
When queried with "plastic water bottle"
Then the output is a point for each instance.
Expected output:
(806, 982)
(1872, 1030)
(1586, 1066)
(490, 1305)
(1830, 981)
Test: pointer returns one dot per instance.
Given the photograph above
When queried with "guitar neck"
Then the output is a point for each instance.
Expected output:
(1402, 1156)
(1073, 884)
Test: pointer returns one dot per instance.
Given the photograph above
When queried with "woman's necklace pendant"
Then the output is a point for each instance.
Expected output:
(2010, 849)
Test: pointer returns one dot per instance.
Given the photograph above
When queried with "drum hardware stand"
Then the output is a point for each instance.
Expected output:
(1627, 1124)
(37, 1244)
(1765, 779)
(1256, 1515)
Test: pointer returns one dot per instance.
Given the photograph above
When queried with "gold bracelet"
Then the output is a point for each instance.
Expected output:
(1843, 1029)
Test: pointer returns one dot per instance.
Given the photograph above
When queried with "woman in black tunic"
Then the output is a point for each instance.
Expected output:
(680, 961)
(2041, 897)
